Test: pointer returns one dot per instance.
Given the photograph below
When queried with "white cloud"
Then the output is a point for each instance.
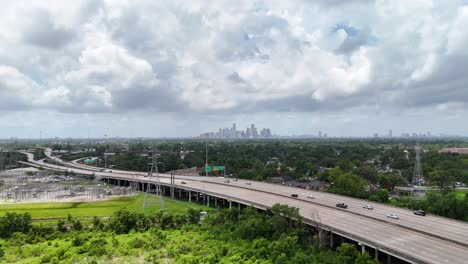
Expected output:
(17, 91)
(194, 57)
(458, 34)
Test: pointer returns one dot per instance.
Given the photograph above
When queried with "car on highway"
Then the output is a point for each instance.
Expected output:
(342, 205)
(420, 212)
(248, 183)
(294, 195)
(226, 181)
(310, 196)
(183, 182)
(394, 216)
(368, 207)
(235, 180)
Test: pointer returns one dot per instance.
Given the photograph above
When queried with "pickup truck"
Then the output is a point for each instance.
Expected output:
(342, 205)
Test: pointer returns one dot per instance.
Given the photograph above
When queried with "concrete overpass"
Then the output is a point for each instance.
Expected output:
(414, 239)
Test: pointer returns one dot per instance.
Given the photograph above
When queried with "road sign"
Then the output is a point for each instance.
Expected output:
(208, 168)
(218, 168)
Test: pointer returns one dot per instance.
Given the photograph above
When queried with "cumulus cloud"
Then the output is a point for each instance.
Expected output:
(230, 57)
(16, 90)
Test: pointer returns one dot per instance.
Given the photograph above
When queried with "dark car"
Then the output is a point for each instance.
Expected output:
(420, 212)
(294, 195)
(342, 205)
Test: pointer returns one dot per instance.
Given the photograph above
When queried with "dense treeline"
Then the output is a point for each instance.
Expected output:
(447, 203)
(10, 160)
(227, 236)
(382, 163)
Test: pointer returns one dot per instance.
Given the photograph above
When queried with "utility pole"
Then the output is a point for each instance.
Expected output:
(105, 151)
(206, 158)
(40, 144)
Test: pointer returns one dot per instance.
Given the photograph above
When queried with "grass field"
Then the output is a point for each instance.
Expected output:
(98, 208)
(461, 193)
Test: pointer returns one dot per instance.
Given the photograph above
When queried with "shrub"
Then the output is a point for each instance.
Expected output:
(13, 222)
(77, 225)
(137, 243)
(61, 226)
(97, 247)
(123, 221)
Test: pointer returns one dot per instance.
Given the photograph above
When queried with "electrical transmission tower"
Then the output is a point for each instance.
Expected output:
(157, 184)
(418, 178)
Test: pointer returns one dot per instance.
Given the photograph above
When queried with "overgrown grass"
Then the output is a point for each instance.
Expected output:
(98, 208)
(461, 193)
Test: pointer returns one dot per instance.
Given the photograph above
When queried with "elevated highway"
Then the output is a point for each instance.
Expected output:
(414, 239)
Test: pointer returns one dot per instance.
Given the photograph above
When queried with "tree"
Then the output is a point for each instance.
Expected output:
(441, 178)
(382, 196)
(347, 252)
(13, 222)
(367, 172)
(348, 184)
(123, 221)
(365, 258)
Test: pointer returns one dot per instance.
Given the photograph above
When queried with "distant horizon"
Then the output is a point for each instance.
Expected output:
(5, 140)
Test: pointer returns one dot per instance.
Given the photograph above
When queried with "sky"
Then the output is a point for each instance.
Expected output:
(131, 68)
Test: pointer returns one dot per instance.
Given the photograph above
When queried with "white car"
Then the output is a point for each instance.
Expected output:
(310, 196)
(368, 207)
(394, 216)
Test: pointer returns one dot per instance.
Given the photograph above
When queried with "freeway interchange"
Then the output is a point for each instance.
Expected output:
(413, 238)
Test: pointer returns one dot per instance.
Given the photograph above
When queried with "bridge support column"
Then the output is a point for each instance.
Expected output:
(238, 206)
(322, 237)
(376, 254)
(216, 202)
(363, 248)
(190, 196)
(389, 259)
(230, 204)
(180, 193)
(331, 239)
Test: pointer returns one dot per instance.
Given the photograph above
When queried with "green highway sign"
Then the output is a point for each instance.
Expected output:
(214, 168)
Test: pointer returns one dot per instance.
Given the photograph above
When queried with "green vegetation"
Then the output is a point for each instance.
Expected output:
(9, 160)
(461, 193)
(226, 236)
(447, 203)
(99, 208)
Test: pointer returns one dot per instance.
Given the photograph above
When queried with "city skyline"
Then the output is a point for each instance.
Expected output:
(250, 133)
